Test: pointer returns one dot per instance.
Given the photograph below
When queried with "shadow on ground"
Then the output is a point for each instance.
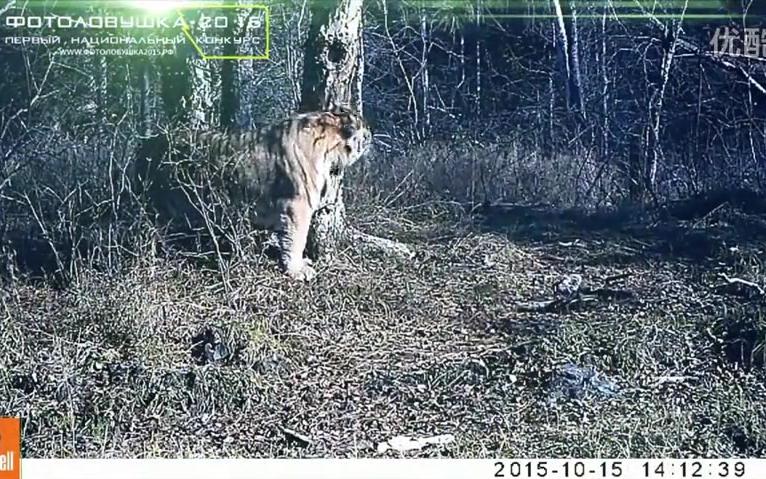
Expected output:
(698, 228)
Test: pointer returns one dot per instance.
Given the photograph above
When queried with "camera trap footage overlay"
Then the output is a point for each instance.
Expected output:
(147, 28)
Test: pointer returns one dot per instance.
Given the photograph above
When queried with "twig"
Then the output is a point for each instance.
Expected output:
(7, 7)
(742, 282)
(617, 277)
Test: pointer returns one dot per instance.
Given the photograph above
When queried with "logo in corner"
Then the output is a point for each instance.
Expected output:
(10, 448)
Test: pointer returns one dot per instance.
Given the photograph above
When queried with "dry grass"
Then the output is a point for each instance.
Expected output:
(165, 361)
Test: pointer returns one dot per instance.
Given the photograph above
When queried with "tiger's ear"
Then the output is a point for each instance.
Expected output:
(339, 116)
(341, 109)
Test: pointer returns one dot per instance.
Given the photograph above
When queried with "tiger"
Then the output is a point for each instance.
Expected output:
(279, 172)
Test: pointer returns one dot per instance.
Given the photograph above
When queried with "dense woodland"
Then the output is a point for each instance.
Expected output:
(588, 104)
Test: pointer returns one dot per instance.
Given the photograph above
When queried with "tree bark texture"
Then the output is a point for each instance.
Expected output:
(332, 59)
(332, 75)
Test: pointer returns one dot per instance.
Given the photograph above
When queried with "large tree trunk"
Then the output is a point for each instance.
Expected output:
(188, 89)
(332, 75)
(332, 70)
(333, 52)
(229, 73)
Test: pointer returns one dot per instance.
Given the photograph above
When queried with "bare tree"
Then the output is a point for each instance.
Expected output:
(333, 70)
(332, 56)
(566, 16)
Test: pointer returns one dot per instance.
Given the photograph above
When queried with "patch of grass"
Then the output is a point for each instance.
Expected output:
(169, 360)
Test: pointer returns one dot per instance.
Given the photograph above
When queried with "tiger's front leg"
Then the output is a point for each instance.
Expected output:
(293, 230)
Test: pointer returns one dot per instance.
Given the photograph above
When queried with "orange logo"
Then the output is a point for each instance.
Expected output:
(10, 448)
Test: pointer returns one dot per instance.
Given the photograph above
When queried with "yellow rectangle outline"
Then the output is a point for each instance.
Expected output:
(203, 6)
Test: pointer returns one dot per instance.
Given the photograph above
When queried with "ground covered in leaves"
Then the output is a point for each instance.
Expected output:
(171, 360)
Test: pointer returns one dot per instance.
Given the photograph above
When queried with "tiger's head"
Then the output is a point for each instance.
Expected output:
(355, 130)
(354, 134)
